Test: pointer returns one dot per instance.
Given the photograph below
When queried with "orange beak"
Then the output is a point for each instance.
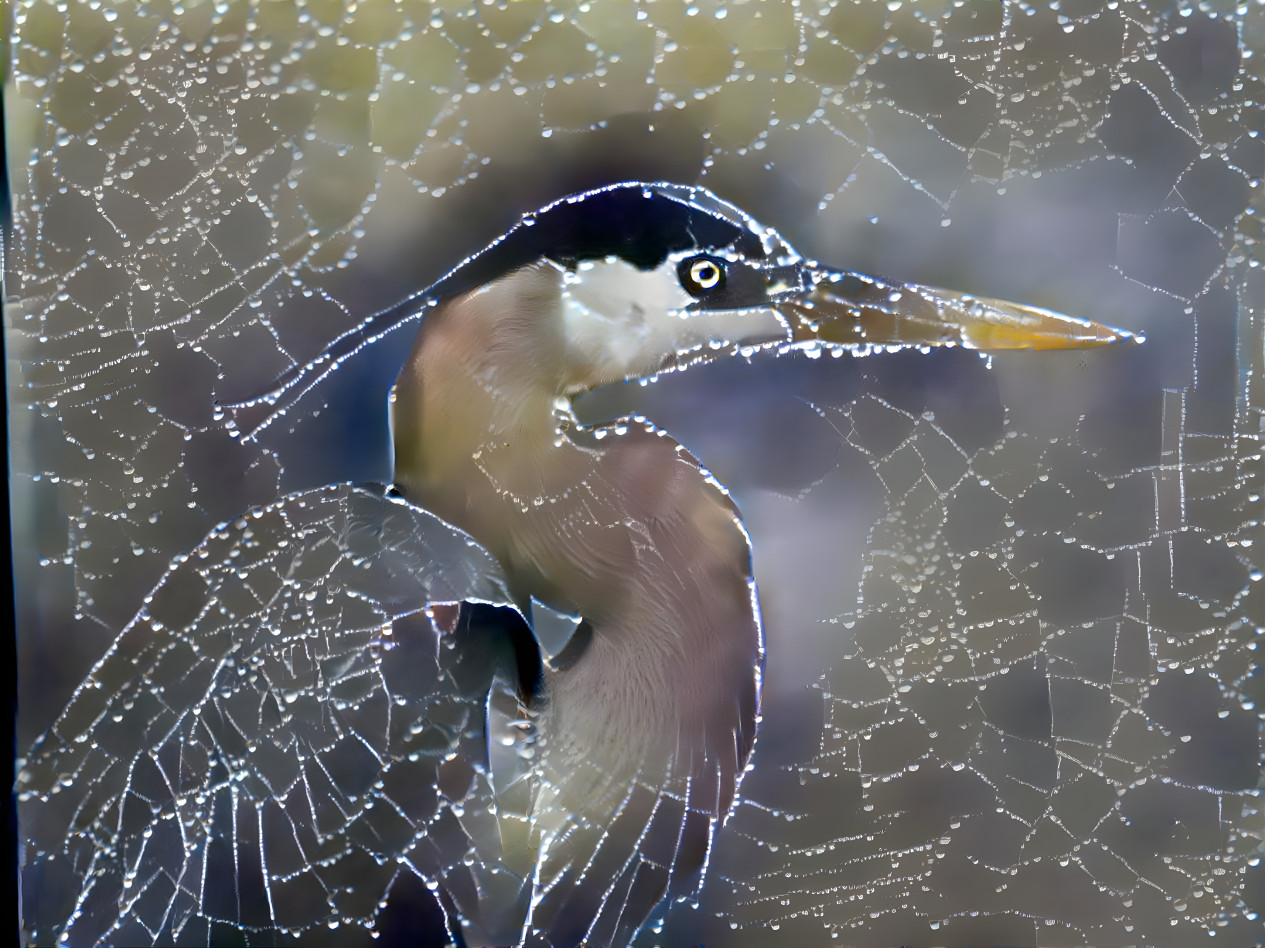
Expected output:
(847, 308)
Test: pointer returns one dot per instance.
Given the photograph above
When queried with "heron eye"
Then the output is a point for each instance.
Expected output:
(702, 274)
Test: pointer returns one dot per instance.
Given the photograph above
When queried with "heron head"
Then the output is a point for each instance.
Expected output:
(656, 277)
(659, 276)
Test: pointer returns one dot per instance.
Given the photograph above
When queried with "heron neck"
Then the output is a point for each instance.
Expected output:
(625, 530)
(478, 417)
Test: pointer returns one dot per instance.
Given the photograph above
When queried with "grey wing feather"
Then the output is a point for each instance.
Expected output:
(259, 748)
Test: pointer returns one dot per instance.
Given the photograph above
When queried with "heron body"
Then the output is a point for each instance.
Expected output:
(625, 531)
(645, 719)
(659, 688)
(621, 526)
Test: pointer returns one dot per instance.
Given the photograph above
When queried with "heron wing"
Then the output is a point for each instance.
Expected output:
(265, 744)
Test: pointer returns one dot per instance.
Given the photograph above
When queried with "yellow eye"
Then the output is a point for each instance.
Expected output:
(706, 274)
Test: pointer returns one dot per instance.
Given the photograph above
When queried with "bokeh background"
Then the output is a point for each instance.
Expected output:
(1012, 605)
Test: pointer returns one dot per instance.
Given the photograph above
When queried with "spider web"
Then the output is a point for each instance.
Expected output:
(1012, 607)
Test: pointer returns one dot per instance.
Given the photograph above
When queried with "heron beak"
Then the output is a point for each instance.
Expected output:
(845, 308)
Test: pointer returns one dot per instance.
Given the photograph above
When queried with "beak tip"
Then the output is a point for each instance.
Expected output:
(1114, 335)
(1091, 335)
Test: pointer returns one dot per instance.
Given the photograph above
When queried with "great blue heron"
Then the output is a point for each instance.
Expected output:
(639, 726)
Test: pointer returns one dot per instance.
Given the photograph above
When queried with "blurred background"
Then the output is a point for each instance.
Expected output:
(1012, 604)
